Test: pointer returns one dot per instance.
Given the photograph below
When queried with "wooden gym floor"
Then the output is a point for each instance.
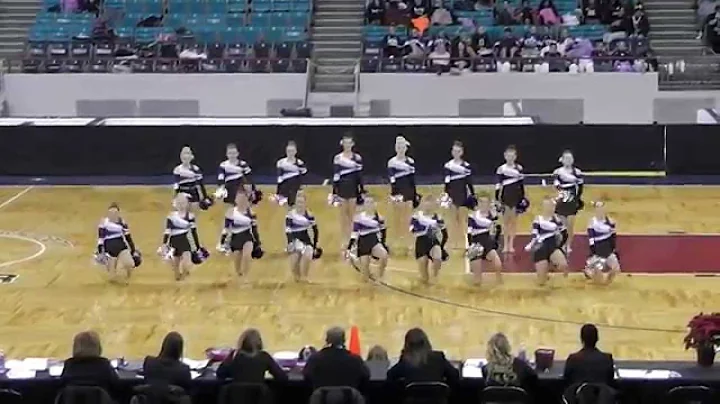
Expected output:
(47, 237)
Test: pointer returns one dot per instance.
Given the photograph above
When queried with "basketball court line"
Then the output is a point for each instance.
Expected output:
(16, 196)
(42, 247)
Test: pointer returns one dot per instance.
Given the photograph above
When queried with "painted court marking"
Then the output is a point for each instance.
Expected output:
(41, 246)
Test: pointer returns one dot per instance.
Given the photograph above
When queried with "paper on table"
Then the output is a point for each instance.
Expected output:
(55, 371)
(37, 364)
(472, 368)
(645, 374)
(195, 364)
(14, 364)
(19, 373)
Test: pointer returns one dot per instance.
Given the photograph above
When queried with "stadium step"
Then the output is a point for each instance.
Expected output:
(667, 5)
(16, 17)
(673, 27)
(688, 34)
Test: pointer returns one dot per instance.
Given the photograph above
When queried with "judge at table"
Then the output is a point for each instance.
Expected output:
(87, 367)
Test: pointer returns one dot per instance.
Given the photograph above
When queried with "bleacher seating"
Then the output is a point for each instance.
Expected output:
(468, 16)
(218, 29)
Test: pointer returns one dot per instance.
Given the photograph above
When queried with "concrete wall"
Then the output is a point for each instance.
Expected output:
(153, 94)
(554, 98)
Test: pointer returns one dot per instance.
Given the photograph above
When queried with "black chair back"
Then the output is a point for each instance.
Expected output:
(691, 395)
(159, 394)
(504, 395)
(336, 395)
(245, 393)
(589, 393)
(426, 393)
(8, 396)
(83, 395)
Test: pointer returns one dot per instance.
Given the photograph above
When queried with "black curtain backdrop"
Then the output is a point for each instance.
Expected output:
(145, 151)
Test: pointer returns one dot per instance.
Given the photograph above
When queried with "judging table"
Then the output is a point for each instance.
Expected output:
(638, 382)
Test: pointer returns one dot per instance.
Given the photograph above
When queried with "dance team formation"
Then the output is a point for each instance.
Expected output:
(490, 220)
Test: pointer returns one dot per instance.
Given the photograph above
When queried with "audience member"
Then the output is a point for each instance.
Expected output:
(87, 366)
(378, 358)
(506, 47)
(548, 14)
(525, 14)
(589, 365)
(461, 52)
(419, 9)
(392, 47)
(704, 9)
(441, 16)
(640, 23)
(440, 58)
(554, 58)
(336, 366)
(713, 30)
(502, 369)
(419, 363)
(504, 14)
(590, 12)
(375, 12)
(249, 362)
(167, 368)
(415, 49)
(481, 42)
(622, 23)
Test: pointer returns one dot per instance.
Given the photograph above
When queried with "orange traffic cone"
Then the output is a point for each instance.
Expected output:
(354, 340)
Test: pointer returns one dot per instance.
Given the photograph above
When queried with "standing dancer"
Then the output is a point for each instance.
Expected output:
(290, 170)
(430, 238)
(189, 181)
(367, 239)
(403, 191)
(181, 244)
(547, 245)
(115, 247)
(483, 234)
(459, 191)
(603, 264)
(233, 176)
(569, 182)
(302, 248)
(242, 238)
(348, 188)
(510, 193)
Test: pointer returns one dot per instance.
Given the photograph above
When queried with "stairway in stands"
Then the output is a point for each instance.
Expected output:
(336, 37)
(673, 29)
(16, 17)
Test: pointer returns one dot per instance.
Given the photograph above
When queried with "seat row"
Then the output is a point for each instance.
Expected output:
(235, 65)
(375, 33)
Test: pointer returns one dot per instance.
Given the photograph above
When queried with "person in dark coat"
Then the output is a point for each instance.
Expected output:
(87, 366)
(336, 366)
(589, 365)
(167, 368)
(419, 363)
(249, 362)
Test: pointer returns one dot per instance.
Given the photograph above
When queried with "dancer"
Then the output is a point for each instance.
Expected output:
(233, 176)
(603, 264)
(242, 239)
(302, 248)
(189, 181)
(510, 193)
(115, 247)
(403, 192)
(459, 191)
(290, 173)
(483, 233)
(430, 238)
(569, 182)
(181, 243)
(367, 239)
(547, 245)
(348, 188)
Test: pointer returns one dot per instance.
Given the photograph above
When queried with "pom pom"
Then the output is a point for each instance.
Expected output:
(474, 251)
(137, 258)
(257, 252)
(317, 253)
(199, 256)
(206, 203)
(221, 193)
(333, 200)
(444, 201)
(101, 259)
(522, 206)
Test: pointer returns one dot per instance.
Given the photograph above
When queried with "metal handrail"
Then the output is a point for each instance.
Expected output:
(356, 72)
(309, 73)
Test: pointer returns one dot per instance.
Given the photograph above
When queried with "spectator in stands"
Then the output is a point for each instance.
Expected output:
(375, 12)
(704, 9)
(622, 23)
(415, 50)
(419, 363)
(481, 42)
(461, 52)
(101, 31)
(713, 30)
(419, 9)
(87, 366)
(640, 23)
(548, 14)
(554, 59)
(441, 16)
(525, 14)
(622, 59)
(440, 58)
(504, 14)
(167, 368)
(502, 369)
(249, 362)
(589, 365)
(69, 6)
(378, 358)
(590, 12)
(336, 366)
(90, 6)
(529, 49)
(581, 51)
(392, 46)
(507, 46)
